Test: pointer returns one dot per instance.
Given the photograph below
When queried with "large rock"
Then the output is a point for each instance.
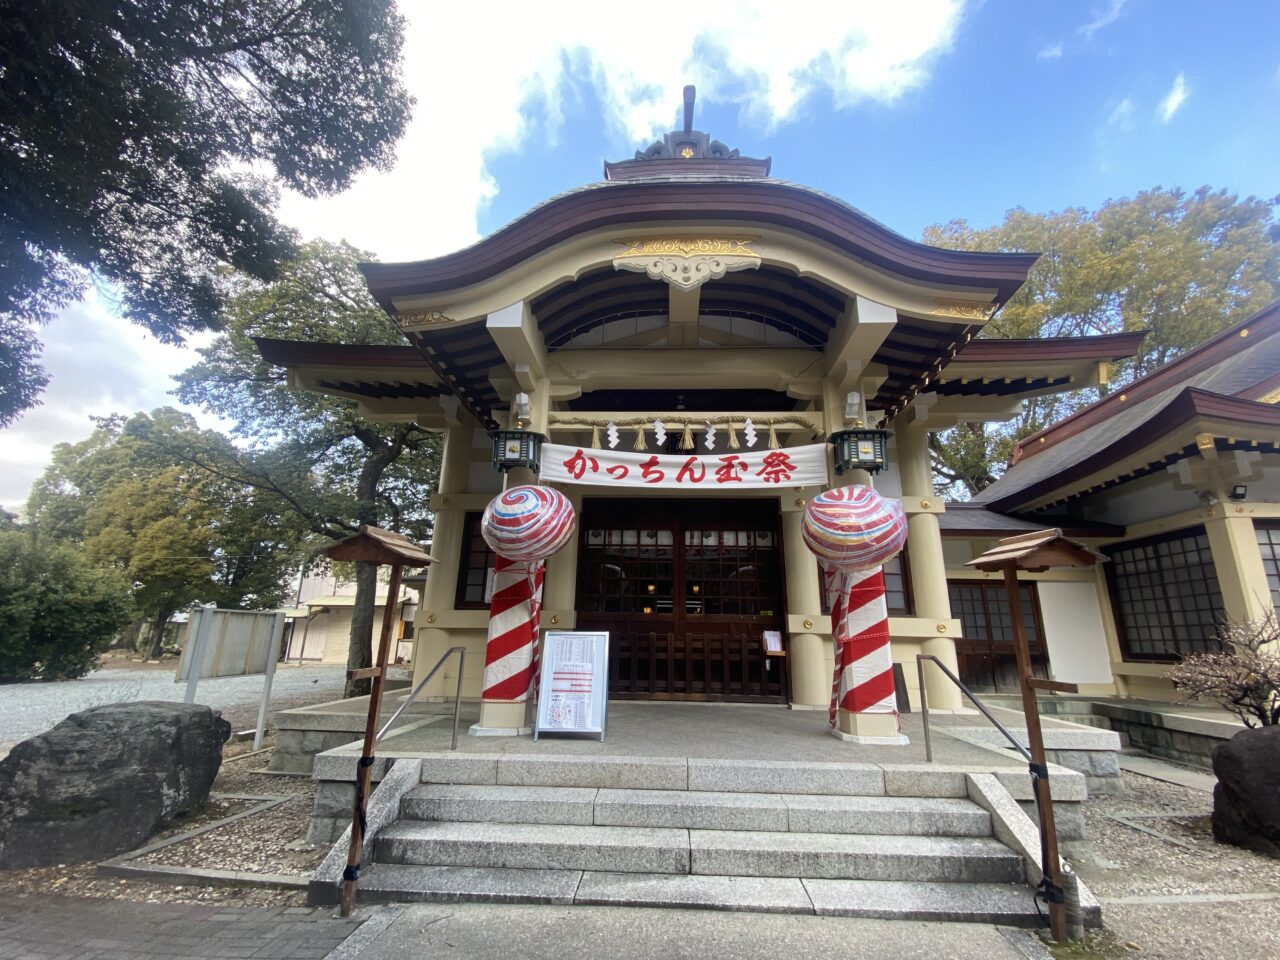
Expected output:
(1246, 799)
(104, 780)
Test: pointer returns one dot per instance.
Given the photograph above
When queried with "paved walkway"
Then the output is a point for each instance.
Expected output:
(30, 708)
(65, 928)
(480, 931)
(53, 928)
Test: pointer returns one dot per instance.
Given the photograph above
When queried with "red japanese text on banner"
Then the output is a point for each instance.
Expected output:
(768, 469)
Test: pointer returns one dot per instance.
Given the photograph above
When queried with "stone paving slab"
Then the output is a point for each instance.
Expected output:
(476, 931)
(89, 929)
(1158, 770)
(785, 776)
(757, 894)
(536, 846)
(706, 811)
(896, 900)
(479, 804)
(921, 816)
(824, 855)
(469, 884)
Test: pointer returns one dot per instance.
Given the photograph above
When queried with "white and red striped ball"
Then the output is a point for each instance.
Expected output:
(854, 528)
(528, 522)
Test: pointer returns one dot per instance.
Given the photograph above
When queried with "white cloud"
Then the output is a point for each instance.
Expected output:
(487, 76)
(1121, 115)
(1102, 18)
(98, 365)
(1051, 52)
(1174, 99)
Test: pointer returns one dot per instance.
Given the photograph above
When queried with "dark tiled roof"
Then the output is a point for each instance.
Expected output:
(1225, 367)
(966, 518)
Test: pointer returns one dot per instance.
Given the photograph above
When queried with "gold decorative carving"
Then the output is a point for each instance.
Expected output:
(422, 318)
(687, 262)
(689, 246)
(963, 309)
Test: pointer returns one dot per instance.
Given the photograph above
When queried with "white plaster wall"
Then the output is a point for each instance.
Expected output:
(1074, 633)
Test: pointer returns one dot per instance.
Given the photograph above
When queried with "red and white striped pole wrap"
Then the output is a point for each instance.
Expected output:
(511, 651)
(524, 526)
(862, 680)
(853, 531)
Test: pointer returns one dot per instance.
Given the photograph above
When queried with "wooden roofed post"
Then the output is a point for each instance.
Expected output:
(1037, 551)
(376, 546)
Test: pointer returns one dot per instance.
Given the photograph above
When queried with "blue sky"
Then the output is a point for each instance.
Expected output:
(915, 111)
(1028, 108)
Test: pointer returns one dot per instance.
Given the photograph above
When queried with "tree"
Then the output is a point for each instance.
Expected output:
(1242, 676)
(127, 133)
(1182, 266)
(331, 467)
(58, 612)
(176, 533)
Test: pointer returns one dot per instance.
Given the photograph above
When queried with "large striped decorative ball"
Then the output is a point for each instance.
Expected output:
(854, 528)
(528, 522)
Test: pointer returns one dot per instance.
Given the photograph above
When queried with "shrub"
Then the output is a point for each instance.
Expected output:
(1243, 676)
(58, 612)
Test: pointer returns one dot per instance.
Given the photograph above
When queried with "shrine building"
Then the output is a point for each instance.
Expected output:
(695, 332)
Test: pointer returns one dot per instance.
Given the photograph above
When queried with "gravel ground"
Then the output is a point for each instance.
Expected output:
(1120, 862)
(268, 842)
(30, 708)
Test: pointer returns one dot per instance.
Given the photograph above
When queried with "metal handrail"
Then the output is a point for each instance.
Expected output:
(924, 707)
(457, 696)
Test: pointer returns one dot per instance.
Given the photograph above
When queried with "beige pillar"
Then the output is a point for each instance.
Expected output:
(560, 588)
(928, 569)
(446, 546)
(806, 655)
(1238, 561)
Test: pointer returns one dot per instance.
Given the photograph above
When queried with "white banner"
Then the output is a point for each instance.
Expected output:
(791, 467)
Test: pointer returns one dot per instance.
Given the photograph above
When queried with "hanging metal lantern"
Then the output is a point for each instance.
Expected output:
(862, 448)
(517, 448)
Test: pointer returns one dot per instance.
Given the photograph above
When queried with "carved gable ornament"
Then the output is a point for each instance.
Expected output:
(687, 262)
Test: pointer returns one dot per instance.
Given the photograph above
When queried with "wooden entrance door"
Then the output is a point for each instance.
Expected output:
(685, 589)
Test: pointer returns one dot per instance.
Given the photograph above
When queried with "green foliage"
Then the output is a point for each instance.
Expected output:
(175, 532)
(127, 128)
(58, 612)
(1181, 266)
(316, 455)
(332, 466)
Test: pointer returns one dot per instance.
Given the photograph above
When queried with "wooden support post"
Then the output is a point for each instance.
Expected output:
(364, 771)
(1040, 776)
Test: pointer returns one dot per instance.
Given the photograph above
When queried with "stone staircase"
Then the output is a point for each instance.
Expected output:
(788, 837)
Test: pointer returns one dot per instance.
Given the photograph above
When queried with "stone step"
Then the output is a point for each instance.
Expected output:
(535, 846)
(614, 849)
(659, 773)
(697, 810)
(1008, 904)
(501, 804)
(853, 857)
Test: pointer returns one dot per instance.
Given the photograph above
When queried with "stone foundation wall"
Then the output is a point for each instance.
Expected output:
(1186, 739)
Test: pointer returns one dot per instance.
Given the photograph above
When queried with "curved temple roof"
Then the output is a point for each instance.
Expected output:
(699, 199)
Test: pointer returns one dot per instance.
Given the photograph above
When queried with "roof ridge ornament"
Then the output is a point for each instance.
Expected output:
(687, 152)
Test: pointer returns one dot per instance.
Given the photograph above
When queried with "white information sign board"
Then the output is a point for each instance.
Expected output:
(573, 686)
